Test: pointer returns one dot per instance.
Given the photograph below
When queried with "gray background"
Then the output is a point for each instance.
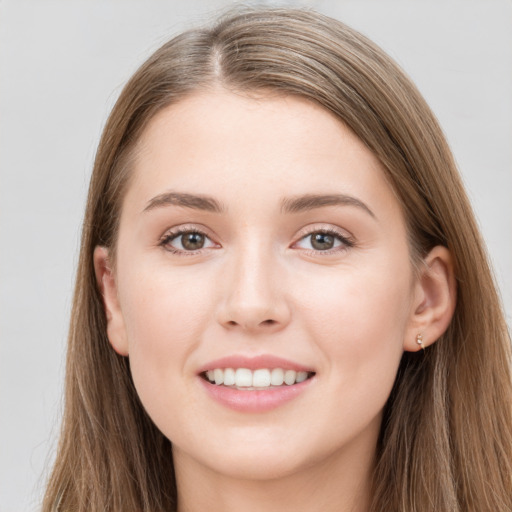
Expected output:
(63, 64)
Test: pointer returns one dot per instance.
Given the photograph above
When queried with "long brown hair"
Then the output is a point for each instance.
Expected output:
(446, 437)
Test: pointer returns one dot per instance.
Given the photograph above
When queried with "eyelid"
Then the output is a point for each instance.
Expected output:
(175, 231)
(347, 240)
(185, 227)
(327, 228)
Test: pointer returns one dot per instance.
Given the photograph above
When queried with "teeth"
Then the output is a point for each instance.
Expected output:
(218, 375)
(289, 377)
(277, 377)
(301, 376)
(261, 378)
(243, 377)
(229, 377)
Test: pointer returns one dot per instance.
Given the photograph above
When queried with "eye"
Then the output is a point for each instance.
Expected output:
(324, 241)
(186, 241)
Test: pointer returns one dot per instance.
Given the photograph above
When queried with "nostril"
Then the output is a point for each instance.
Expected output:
(252, 323)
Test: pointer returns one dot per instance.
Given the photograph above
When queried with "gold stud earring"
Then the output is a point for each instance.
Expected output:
(419, 341)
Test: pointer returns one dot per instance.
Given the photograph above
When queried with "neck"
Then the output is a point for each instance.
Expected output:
(340, 482)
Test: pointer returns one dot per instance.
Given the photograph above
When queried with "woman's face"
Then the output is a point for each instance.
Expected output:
(260, 234)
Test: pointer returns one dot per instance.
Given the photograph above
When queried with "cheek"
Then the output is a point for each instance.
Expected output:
(165, 315)
(360, 307)
(163, 305)
(358, 319)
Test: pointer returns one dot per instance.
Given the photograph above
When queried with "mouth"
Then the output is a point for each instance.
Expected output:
(256, 383)
(261, 379)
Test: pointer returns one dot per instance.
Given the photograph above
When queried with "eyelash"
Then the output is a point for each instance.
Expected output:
(173, 235)
(346, 242)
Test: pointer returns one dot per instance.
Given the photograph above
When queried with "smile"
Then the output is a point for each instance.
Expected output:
(253, 380)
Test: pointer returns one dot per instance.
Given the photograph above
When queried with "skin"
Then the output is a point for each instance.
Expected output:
(259, 286)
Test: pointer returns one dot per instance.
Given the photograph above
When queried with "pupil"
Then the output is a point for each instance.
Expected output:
(322, 241)
(192, 241)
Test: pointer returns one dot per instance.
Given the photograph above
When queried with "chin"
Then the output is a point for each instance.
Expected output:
(257, 466)
(261, 455)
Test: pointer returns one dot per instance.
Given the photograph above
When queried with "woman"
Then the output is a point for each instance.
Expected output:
(280, 290)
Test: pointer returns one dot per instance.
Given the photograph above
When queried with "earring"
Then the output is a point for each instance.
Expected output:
(419, 341)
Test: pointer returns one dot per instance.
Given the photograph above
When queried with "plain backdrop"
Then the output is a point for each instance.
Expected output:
(63, 64)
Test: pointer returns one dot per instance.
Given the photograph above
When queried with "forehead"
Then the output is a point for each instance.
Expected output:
(240, 147)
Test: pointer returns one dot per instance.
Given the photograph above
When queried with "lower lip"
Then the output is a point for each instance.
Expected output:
(254, 400)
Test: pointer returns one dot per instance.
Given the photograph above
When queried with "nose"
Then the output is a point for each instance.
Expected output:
(254, 293)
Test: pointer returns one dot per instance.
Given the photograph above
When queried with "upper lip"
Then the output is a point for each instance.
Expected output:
(254, 363)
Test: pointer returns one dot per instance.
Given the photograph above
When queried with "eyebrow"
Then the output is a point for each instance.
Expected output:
(312, 201)
(196, 202)
(288, 205)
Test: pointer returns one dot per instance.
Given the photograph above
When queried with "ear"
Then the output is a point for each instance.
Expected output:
(116, 331)
(435, 296)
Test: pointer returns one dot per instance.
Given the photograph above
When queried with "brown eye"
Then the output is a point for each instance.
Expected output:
(186, 242)
(327, 241)
(192, 241)
(322, 241)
